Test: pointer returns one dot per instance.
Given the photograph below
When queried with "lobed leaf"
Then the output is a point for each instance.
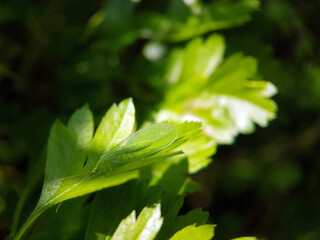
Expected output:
(220, 94)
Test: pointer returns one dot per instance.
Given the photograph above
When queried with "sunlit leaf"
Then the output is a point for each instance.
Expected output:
(145, 227)
(203, 232)
(220, 94)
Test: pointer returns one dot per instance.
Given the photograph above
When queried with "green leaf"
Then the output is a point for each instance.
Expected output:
(193, 65)
(116, 125)
(195, 216)
(68, 145)
(192, 232)
(236, 102)
(145, 227)
(220, 94)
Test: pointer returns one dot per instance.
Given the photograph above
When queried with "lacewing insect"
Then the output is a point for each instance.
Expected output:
(142, 144)
(139, 146)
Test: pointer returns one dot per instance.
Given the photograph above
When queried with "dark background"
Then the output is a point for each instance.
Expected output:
(266, 184)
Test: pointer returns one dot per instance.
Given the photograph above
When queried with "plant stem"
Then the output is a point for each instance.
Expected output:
(34, 215)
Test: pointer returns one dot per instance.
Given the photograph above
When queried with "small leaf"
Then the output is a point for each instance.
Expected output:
(203, 232)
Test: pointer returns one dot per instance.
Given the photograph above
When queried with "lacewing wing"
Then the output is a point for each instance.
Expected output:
(142, 144)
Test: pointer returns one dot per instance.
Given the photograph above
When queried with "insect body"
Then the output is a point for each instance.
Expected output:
(142, 144)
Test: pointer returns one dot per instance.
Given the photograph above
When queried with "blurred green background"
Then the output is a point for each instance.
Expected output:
(57, 55)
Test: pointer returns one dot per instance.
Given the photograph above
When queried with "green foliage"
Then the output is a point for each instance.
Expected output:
(107, 180)
(73, 176)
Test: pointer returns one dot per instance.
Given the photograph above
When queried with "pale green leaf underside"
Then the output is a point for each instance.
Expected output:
(220, 94)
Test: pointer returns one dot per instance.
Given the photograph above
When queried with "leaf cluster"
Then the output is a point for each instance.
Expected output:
(113, 181)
